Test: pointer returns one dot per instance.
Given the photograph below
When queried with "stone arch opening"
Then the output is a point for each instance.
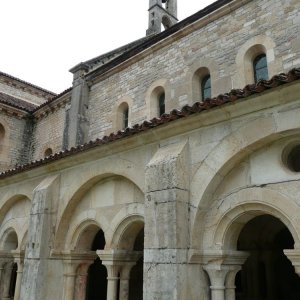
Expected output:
(128, 240)
(267, 273)
(96, 286)
(10, 240)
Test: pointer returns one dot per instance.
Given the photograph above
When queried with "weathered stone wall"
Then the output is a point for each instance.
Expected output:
(48, 133)
(12, 144)
(186, 182)
(216, 46)
(194, 173)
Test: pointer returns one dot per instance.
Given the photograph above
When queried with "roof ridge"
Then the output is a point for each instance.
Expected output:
(27, 83)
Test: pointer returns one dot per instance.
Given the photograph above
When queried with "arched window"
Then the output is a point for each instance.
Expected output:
(161, 104)
(122, 116)
(125, 117)
(260, 68)
(206, 87)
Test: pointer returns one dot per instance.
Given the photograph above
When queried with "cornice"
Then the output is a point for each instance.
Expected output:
(26, 86)
(52, 106)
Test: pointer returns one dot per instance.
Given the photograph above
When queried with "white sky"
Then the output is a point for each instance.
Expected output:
(41, 39)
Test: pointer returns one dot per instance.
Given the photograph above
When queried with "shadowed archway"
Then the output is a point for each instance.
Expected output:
(96, 287)
(267, 274)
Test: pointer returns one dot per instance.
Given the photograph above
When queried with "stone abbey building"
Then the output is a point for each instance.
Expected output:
(169, 170)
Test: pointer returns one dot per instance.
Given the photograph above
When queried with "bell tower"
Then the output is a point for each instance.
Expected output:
(161, 13)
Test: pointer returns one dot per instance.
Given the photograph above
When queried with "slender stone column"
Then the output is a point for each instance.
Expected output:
(19, 280)
(69, 280)
(112, 281)
(230, 283)
(217, 279)
(124, 281)
(6, 281)
(222, 267)
(115, 261)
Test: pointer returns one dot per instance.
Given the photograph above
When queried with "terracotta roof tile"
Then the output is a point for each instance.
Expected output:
(52, 99)
(16, 103)
(198, 107)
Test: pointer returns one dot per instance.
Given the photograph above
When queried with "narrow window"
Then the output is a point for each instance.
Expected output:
(161, 104)
(260, 68)
(206, 87)
(125, 117)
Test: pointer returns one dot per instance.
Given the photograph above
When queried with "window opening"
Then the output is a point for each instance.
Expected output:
(260, 68)
(125, 117)
(206, 87)
(161, 104)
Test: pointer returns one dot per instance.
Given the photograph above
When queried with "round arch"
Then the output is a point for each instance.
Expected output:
(198, 69)
(77, 195)
(151, 97)
(9, 240)
(126, 232)
(117, 111)
(9, 202)
(229, 152)
(88, 227)
(224, 223)
(256, 45)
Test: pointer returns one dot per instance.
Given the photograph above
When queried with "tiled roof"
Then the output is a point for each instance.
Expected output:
(16, 103)
(51, 100)
(186, 111)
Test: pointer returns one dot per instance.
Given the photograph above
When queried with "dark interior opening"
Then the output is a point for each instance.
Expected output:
(136, 273)
(267, 274)
(13, 280)
(96, 287)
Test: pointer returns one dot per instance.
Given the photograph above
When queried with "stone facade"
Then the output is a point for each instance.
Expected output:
(202, 203)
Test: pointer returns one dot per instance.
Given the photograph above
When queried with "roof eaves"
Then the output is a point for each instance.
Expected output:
(186, 111)
(27, 83)
(52, 100)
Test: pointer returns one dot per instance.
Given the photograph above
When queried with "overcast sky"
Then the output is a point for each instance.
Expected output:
(41, 40)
